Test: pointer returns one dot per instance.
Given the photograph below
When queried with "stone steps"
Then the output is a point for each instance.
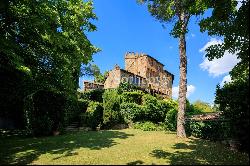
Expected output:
(73, 126)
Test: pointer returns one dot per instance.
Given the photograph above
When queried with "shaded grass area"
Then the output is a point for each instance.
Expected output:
(129, 146)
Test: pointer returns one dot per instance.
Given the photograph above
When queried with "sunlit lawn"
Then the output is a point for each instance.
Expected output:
(116, 147)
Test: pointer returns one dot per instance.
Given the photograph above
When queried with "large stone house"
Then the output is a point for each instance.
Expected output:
(144, 71)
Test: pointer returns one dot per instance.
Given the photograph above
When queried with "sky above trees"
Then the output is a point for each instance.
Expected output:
(124, 26)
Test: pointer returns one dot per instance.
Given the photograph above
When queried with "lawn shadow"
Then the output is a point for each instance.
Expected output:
(197, 152)
(137, 162)
(25, 150)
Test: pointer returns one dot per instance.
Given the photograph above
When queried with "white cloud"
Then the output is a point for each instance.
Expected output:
(193, 35)
(190, 90)
(170, 47)
(219, 66)
(212, 41)
(226, 79)
(239, 3)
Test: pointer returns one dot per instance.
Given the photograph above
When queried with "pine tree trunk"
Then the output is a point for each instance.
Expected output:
(182, 87)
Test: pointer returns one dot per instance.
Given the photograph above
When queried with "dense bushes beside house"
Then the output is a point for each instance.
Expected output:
(111, 106)
(93, 117)
(93, 95)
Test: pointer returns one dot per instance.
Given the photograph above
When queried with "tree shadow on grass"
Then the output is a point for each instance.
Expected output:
(137, 162)
(25, 150)
(197, 152)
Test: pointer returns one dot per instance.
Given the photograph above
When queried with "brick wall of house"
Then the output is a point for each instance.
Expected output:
(92, 85)
(113, 79)
(149, 68)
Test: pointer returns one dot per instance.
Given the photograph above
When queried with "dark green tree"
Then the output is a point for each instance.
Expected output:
(233, 98)
(43, 45)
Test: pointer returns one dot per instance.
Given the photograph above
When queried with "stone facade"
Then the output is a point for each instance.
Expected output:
(141, 70)
(92, 85)
(144, 71)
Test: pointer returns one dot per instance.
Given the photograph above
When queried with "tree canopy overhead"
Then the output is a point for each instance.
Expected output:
(47, 39)
(43, 44)
(233, 25)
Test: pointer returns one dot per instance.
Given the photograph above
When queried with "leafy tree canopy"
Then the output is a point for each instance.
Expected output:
(233, 25)
(46, 39)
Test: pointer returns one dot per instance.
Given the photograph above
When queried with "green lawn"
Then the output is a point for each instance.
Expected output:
(127, 146)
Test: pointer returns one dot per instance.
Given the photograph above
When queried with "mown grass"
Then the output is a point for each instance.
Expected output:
(127, 146)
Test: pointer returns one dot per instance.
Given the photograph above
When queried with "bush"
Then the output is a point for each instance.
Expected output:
(132, 97)
(93, 95)
(233, 101)
(83, 105)
(111, 105)
(153, 109)
(93, 116)
(127, 87)
(71, 109)
(171, 119)
(212, 130)
(45, 112)
(132, 112)
(148, 126)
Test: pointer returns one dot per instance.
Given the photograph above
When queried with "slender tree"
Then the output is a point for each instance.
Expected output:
(179, 13)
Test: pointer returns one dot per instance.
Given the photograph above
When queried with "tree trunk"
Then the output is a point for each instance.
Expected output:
(182, 87)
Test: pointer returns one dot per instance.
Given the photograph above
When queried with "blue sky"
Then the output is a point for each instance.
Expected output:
(124, 26)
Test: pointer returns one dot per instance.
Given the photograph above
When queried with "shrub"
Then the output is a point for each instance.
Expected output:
(93, 95)
(153, 109)
(71, 109)
(212, 130)
(171, 119)
(93, 116)
(233, 101)
(132, 97)
(132, 112)
(127, 87)
(111, 105)
(149, 126)
(45, 112)
(83, 105)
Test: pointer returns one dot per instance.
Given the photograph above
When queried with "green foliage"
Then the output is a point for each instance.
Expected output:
(202, 107)
(212, 130)
(127, 87)
(133, 112)
(71, 109)
(233, 25)
(111, 105)
(43, 45)
(83, 105)
(92, 95)
(198, 107)
(148, 126)
(171, 119)
(45, 112)
(94, 70)
(154, 108)
(233, 101)
(132, 97)
(93, 116)
(177, 12)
